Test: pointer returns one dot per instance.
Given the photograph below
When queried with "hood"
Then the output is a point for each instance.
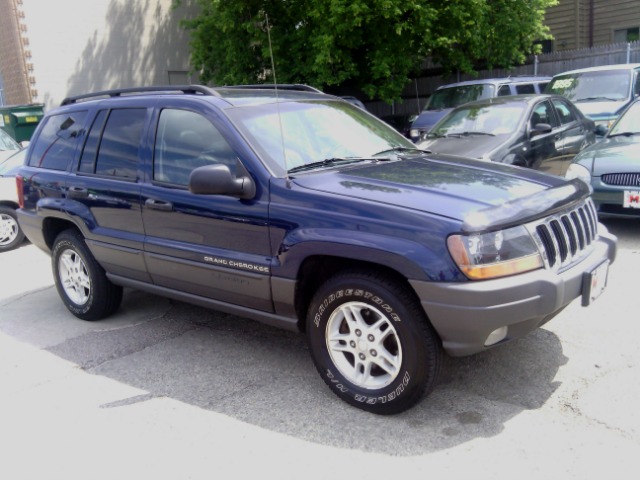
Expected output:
(598, 110)
(428, 118)
(443, 185)
(474, 146)
(614, 155)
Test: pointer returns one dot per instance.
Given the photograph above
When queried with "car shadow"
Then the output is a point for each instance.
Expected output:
(265, 377)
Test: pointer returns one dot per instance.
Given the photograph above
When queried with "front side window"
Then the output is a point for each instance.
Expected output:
(56, 144)
(118, 152)
(543, 113)
(184, 141)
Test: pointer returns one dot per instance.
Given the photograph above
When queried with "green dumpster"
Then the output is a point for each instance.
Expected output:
(20, 121)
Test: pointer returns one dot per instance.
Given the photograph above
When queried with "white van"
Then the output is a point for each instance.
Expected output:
(601, 93)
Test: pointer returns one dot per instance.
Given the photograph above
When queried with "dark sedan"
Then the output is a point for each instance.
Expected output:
(543, 132)
(612, 167)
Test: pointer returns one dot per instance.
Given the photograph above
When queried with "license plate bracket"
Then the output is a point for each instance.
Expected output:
(594, 283)
(631, 199)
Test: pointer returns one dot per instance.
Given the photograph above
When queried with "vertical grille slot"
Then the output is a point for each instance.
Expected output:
(565, 237)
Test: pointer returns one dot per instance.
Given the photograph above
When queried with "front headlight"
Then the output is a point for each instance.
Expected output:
(576, 170)
(414, 132)
(495, 254)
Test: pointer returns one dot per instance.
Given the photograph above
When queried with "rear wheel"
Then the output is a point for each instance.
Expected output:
(372, 343)
(81, 281)
(11, 235)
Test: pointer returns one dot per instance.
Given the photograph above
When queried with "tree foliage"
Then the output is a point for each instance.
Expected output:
(375, 46)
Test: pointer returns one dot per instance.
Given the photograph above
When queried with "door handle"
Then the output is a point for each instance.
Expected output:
(159, 205)
(77, 192)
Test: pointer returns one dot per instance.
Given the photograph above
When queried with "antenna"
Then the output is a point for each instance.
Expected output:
(275, 86)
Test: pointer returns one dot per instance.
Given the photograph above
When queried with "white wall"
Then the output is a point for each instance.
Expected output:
(81, 46)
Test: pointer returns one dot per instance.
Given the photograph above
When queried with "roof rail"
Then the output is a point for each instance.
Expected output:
(186, 89)
(271, 86)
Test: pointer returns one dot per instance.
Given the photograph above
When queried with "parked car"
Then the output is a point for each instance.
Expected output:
(543, 132)
(11, 235)
(447, 97)
(612, 167)
(601, 93)
(305, 212)
(8, 146)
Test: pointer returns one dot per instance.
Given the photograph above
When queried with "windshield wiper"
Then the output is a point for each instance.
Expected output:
(466, 134)
(597, 99)
(399, 150)
(328, 162)
(626, 134)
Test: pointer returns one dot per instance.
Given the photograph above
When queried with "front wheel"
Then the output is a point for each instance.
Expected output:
(80, 280)
(372, 343)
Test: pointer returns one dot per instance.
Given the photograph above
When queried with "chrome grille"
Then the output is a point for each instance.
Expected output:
(565, 237)
(622, 179)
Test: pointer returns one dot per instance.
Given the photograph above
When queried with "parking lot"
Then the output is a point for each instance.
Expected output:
(167, 390)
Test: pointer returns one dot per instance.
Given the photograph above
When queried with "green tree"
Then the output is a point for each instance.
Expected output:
(373, 45)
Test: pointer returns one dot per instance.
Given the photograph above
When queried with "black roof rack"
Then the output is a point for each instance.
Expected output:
(271, 86)
(187, 89)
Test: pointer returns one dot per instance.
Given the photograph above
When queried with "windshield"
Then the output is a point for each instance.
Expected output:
(7, 143)
(629, 122)
(453, 96)
(299, 133)
(497, 119)
(606, 85)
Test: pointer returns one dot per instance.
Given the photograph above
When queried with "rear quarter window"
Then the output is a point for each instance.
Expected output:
(56, 144)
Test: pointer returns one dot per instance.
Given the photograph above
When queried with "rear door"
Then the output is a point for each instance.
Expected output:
(107, 187)
(212, 246)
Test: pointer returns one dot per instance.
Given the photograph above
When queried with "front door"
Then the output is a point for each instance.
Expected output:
(212, 246)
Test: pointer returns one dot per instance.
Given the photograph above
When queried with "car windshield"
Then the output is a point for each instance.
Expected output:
(605, 85)
(496, 119)
(629, 122)
(295, 134)
(453, 96)
(7, 143)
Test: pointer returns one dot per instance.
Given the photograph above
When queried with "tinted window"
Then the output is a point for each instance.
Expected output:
(120, 145)
(525, 89)
(564, 112)
(504, 90)
(184, 141)
(88, 158)
(56, 145)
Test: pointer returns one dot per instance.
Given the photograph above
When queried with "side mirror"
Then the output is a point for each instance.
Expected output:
(217, 180)
(601, 130)
(540, 128)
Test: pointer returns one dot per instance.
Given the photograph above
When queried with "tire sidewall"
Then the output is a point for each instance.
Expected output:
(64, 243)
(409, 382)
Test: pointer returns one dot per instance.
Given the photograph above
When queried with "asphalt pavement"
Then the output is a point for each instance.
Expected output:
(165, 390)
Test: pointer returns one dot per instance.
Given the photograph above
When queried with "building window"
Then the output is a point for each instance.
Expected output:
(626, 35)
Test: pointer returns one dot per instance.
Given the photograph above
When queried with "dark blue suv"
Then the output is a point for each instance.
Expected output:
(297, 209)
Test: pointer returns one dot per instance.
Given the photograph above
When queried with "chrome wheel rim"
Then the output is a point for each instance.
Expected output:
(8, 229)
(74, 277)
(364, 345)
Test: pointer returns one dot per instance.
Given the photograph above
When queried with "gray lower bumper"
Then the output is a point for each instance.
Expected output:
(465, 314)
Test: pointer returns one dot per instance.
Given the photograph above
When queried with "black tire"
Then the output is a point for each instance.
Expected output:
(81, 281)
(11, 235)
(383, 370)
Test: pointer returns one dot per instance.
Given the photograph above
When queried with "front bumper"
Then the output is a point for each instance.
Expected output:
(465, 314)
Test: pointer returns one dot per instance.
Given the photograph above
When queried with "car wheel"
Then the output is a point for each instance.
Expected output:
(11, 235)
(81, 281)
(372, 343)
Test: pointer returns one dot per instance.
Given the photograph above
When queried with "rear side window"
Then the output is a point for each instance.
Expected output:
(525, 89)
(504, 90)
(56, 144)
(119, 148)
